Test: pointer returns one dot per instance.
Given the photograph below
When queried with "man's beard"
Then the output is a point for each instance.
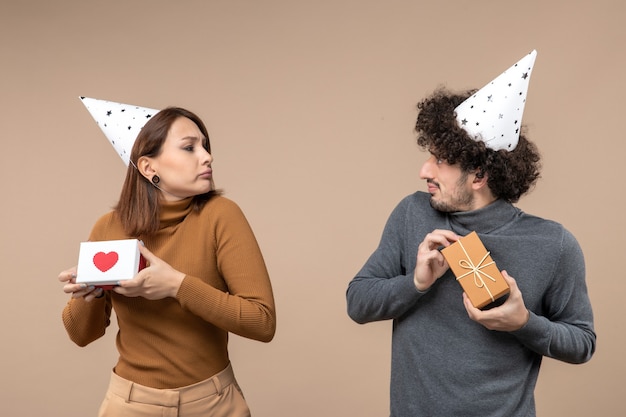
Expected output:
(460, 201)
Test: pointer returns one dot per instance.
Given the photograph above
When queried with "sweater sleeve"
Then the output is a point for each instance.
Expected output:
(247, 307)
(87, 321)
(565, 330)
(384, 289)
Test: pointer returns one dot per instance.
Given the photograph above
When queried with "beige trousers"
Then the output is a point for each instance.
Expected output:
(219, 395)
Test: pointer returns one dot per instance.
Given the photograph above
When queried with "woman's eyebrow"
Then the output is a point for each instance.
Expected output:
(193, 138)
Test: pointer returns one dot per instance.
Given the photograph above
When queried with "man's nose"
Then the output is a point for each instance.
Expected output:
(427, 168)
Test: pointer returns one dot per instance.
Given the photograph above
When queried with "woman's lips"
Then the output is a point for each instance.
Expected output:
(206, 174)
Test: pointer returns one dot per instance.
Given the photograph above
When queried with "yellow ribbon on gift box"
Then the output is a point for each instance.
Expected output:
(476, 270)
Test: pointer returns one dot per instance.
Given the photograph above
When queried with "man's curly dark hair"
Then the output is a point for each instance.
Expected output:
(509, 174)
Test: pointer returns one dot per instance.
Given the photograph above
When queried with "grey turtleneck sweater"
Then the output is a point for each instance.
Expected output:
(443, 363)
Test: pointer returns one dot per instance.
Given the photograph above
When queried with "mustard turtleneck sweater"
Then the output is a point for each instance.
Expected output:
(175, 342)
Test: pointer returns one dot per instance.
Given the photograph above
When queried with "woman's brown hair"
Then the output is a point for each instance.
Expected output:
(138, 206)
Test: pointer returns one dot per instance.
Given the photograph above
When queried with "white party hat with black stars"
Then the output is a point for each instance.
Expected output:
(120, 123)
(494, 113)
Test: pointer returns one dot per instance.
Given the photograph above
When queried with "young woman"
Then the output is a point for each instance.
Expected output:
(205, 278)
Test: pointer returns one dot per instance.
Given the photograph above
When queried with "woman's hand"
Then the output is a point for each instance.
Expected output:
(88, 292)
(155, 282)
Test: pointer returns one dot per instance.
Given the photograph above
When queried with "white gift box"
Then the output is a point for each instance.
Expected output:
(107, 262)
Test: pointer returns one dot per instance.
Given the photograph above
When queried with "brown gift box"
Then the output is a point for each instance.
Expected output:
(475, 270)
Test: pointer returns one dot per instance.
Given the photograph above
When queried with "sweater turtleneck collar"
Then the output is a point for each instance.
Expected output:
(483, 220)
(173, 212)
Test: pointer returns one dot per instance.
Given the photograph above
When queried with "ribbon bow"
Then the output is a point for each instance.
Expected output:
(476, 270)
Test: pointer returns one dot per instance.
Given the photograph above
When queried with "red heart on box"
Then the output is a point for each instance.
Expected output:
(105, 261)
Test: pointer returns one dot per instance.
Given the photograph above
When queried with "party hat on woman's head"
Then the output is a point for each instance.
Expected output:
(120, 123)
(494, 114)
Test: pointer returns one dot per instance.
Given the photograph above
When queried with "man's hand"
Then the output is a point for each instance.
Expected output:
(510, 316)
(430, 263)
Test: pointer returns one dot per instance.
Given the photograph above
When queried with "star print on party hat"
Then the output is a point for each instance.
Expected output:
(494, 113)
(120, 123)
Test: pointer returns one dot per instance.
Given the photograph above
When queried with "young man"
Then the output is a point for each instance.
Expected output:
(448, 357)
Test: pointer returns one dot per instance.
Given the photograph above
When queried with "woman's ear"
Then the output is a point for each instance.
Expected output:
(145, 166)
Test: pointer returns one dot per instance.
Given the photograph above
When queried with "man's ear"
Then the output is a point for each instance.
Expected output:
(145, 166)
(480, 179)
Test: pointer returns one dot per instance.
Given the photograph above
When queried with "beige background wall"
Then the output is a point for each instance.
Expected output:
(310, 106)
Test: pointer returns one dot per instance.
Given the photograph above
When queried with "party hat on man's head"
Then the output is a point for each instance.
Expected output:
(120, 123)
(494, 114)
